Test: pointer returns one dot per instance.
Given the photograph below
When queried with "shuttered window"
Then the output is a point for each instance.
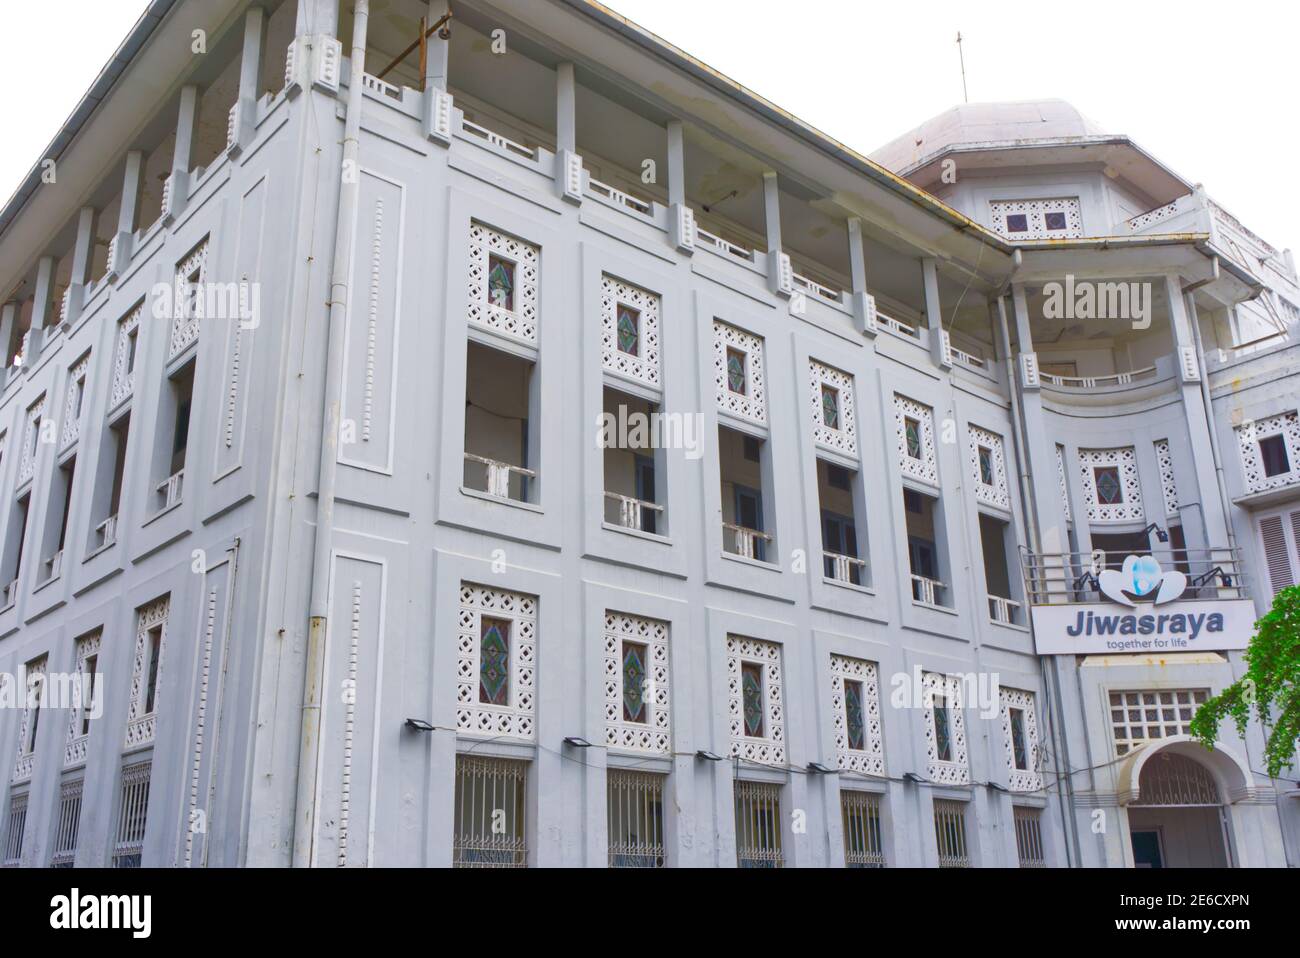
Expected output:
(1279, 535)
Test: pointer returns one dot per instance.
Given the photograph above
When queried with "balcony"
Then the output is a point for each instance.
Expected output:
(52, 567)
(744, 542)
(105, 533)
(9, 595)
(627, 512)
(1073, 578)
(500, 480)
(167, 494)
(929, 591)
(845, 569)
(1005, 611)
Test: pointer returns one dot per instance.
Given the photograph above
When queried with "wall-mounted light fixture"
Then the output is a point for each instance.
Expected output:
(575, 741)
(707, 756)
(419, 725)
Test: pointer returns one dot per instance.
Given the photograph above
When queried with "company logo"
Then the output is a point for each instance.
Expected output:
(1141, 579)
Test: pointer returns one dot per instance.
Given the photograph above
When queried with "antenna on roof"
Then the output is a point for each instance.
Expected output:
(962, 57)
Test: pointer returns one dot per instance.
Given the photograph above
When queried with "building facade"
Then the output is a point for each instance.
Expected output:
(534, 449)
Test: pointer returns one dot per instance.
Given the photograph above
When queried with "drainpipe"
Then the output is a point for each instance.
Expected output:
(1053, 682)
(304, 831)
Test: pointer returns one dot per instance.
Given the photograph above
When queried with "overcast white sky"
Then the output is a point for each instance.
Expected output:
(1212, 89)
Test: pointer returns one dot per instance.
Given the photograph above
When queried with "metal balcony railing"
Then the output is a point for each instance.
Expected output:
(1071, 578)
(53, 566)
(106, 532)
(169, 490)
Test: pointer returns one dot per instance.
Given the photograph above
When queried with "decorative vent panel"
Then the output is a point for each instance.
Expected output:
(1287, 426)
(1038, 219)
(989, 468)
(754, 700)
(1020, 739)
(1167, 484)
(191, 300)
(636, 684)
(833, 408)
(503, 277)
(510, 714)
(1110, 485)
(141, 720)
(914, 424)
(738, 372)
(855, 700)
(128, 328)
(945, 730)
(629, 331)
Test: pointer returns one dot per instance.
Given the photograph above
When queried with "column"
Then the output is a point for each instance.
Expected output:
(177, 188)
(82, 254)
(41, 304)
(244, 119)
(864, 304)
(780, 274)
(680, 215)
(568, 164)
(934, 314)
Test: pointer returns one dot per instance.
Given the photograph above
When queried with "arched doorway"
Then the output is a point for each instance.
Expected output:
(1178, 819)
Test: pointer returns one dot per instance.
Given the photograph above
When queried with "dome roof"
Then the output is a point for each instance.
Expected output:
(987, 123)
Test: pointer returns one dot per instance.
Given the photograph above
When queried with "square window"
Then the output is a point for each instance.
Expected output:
(634, 682)
(751, 679)
(986, 465)
(1017, 223)
(501, 283)
(1272, 453)
(736, 371)
(1110, 491)
(629, 330)
(830, 407)
(494, 662)
(1054, 221)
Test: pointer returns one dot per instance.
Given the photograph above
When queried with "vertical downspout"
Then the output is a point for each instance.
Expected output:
(304, 832)
(1031, 527)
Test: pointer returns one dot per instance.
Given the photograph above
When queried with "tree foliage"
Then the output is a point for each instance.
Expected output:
(1270, 689)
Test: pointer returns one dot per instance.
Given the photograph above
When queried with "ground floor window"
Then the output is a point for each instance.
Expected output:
(635, 808)
(950, 833)
(863, 847)
(758, 825)
(68, 825)
(128, 851)
(489, 814)
(1029, 837)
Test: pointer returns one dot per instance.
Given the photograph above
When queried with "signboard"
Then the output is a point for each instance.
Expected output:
(1144, 614)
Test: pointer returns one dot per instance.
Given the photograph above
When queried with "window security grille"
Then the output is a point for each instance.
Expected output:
(636, 819)
(862, 838)
(69, 823)
(14, 834)
(131, 816)
(758, 825)
(1029, 837)
(950, 833)
(489, 816)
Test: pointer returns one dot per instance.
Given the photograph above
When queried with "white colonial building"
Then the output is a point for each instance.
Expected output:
(488, 436)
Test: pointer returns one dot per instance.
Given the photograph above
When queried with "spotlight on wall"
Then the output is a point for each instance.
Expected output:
(1161, 534)
(913, 778)
(574, 741)
(707, 756)
(419, 725)
(994, 787)
(817, 768)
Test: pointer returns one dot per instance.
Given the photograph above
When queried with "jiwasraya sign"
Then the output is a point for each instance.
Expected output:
(1144, 614)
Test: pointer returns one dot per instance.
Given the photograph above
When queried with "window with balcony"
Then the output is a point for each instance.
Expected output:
(56, 520)
(924, 517)
(633, 462)
(171, 440)
(489, 821)
(500, 431)
(13, 554)
(863, 843)
(745, 467)
(758, 825)
(841, 500)
(950, 833)
(635, 814)
(106, 497)
(755, 707)
(997, 542)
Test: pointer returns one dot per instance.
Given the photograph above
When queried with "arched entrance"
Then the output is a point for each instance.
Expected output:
(1179, 819)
